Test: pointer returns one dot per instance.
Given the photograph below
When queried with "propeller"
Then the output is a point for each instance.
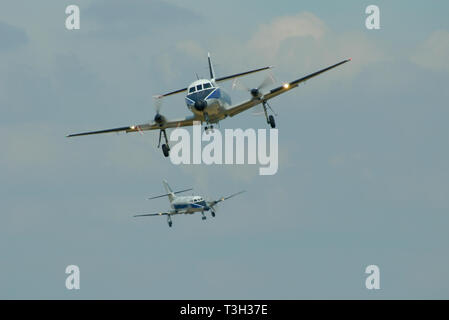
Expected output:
(158, 118)
(255, 92)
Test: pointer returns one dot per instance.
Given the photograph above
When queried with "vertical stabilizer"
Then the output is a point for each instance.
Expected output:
(169, 191)
(211, 68)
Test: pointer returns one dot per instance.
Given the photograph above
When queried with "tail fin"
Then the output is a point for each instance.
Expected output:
(211, 68)
(169, 191)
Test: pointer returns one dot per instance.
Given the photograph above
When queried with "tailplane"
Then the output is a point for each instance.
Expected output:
(169, 191)
(170, 194)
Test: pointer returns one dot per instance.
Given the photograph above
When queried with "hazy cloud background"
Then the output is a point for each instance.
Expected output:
(363, 176)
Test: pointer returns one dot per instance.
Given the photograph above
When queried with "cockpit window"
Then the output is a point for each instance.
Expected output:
(207, 85)
(199, 87)
(192, 89)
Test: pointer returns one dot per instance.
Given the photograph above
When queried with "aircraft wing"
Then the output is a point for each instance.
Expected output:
(157, 214)
(188, 121)
(213, 203)
(236, 109)
(152, 214)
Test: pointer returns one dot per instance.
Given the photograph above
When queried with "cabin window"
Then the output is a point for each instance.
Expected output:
(192, 90)
(199, 87)
(207, 85)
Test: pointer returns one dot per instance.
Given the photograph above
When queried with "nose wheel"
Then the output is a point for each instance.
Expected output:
(203, 216)
(165, 146)
(209, 128)
(170, 223)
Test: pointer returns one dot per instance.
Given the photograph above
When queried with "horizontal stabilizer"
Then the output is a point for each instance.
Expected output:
(167, 194)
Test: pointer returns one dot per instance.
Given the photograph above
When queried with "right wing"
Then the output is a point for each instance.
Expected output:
(188, 121)
(154, 214)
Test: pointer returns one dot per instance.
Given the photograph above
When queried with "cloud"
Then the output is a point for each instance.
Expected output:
(302, 43)
(11, 37)
(137, 17)
(191, 48)
(269, 37)
(434, 52)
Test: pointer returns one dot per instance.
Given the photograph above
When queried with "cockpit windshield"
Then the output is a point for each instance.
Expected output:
(199, 87)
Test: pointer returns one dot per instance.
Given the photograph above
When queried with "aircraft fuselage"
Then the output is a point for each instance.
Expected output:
(189, 204)
(207, 100)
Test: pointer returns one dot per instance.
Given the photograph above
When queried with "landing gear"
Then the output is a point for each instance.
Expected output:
(271, 121)
(208, 126)
(170, 223)
(165, 150)
(213, 214)
(270, 118)
(165, 146)
(207, 129)
(203, 216)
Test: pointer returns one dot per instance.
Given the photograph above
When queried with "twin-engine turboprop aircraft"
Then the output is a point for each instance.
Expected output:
(209, 104)
(186, 204)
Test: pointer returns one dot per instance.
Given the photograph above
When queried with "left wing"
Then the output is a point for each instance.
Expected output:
(213, 203)
(233, 110)
(188, 121)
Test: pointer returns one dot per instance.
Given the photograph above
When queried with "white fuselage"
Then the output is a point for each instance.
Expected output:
(189, 204)
(207, 100)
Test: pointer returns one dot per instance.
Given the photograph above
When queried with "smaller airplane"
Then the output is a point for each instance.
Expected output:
(186, 204)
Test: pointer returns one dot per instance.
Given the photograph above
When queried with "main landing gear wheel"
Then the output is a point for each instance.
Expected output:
(170, 224)
(213, 214)
(270, 118)
(165, 150)
(165, 146)
(271, 121)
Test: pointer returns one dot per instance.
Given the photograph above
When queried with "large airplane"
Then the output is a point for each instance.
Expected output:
(186, 204)
(210, 104)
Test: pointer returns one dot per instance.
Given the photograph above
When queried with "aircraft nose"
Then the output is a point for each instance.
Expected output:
(200, 105)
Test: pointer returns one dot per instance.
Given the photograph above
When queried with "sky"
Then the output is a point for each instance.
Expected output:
(363, 173)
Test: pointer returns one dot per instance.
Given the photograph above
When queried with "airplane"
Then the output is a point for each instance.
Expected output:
(210, 104)
(186, 204)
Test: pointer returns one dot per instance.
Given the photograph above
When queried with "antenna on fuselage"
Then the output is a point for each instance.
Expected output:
(211, 68)
(197, 78)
